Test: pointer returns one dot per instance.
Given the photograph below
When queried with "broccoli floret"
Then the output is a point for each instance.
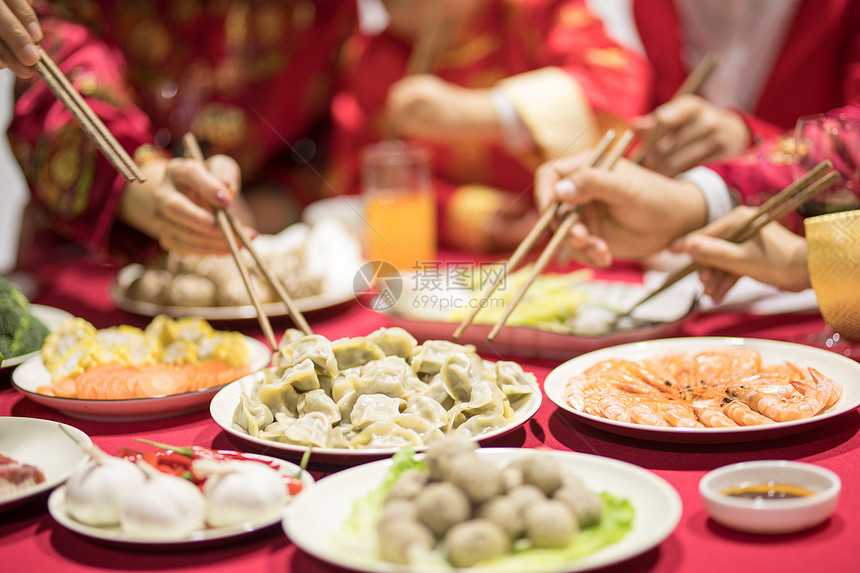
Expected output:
(20, 331)
(12, 310)
(30, 336)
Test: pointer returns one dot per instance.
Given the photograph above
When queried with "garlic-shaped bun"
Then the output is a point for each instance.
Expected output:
(95, 491)
(163, 506)
(240, 491)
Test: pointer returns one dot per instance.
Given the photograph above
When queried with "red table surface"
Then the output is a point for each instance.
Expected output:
(30, 540)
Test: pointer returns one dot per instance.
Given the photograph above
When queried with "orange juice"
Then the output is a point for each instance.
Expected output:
(401, 227)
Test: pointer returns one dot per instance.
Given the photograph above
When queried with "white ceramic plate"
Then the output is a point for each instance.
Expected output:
(32, 374)
(43, 444)
(424, 315)
(51, 317)
(317, 515)
(225, 401)
(127, 275)
(837, 367)
(113, 535)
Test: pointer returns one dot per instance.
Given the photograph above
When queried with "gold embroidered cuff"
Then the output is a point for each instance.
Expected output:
(551, 103)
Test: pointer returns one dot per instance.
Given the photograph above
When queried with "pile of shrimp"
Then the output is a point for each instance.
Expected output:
(715, 388)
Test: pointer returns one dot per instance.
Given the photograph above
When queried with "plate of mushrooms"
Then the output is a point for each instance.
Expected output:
(456, 507)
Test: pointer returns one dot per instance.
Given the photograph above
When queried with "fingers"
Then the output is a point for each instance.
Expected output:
(715, 228)
(588, 184)
(19, 30)
(551, 174)
(198, 183)
(27, 17)
(722, 255)
(227, 171)
(8, 60)
(675, 113)
(689, 154)
(717, 283)
(670, 128)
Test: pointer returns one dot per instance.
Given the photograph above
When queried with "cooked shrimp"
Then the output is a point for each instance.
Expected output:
(715, 364)
(648, 413)
(780, 410)
(612, 406)
(711, 415)
(744, 415)
(835, 394)
(680, 415)
(578, 387)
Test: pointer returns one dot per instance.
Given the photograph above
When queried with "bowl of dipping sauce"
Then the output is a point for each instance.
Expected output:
(770, 496)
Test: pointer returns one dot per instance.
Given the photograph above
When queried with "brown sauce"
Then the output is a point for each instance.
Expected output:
(768, 490)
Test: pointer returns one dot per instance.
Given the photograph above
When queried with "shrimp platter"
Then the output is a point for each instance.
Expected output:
(707, 389)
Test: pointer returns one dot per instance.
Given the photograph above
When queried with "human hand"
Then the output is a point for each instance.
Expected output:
(775, 255)
(19, 30)
(688, 131)
(175, 204)
(426, 107)
(629, 212)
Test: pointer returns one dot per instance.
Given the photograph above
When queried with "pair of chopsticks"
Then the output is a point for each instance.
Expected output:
(86, 117)
(597, 155)
(598, 158)
(789, 199)
(229, 226)
(691, 85)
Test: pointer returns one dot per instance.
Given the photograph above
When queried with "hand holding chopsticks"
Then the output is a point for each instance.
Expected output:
(692, 84)
(570, 219)
(229, 226)
(814, 182)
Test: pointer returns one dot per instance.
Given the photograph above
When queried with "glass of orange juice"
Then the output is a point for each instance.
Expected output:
(399, 204)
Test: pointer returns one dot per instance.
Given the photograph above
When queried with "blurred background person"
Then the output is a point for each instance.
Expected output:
(518, 82)
(250, 80)
(781, 59)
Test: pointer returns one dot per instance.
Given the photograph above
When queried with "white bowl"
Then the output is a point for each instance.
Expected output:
(770, 515)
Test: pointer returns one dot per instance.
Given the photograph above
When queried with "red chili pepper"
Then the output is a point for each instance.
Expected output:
(171, 457)
(294, 485)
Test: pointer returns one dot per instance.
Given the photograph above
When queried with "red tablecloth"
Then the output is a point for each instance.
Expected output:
(31, 541)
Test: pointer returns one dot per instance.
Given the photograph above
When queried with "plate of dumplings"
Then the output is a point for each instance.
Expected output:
(366, 397)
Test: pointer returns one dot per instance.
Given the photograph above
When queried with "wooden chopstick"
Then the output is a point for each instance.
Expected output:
(560, 234)
(192, 150)
(228, 226)
(692, 84)
(528, 243)
(86, 117)
(295, 314)
(787, 200)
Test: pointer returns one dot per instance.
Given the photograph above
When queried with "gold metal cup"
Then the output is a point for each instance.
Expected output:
(834, 269)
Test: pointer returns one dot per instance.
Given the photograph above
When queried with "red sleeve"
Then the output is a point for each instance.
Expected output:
(767, 168)
(659, 29)
(614, 79)
(69, 178)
